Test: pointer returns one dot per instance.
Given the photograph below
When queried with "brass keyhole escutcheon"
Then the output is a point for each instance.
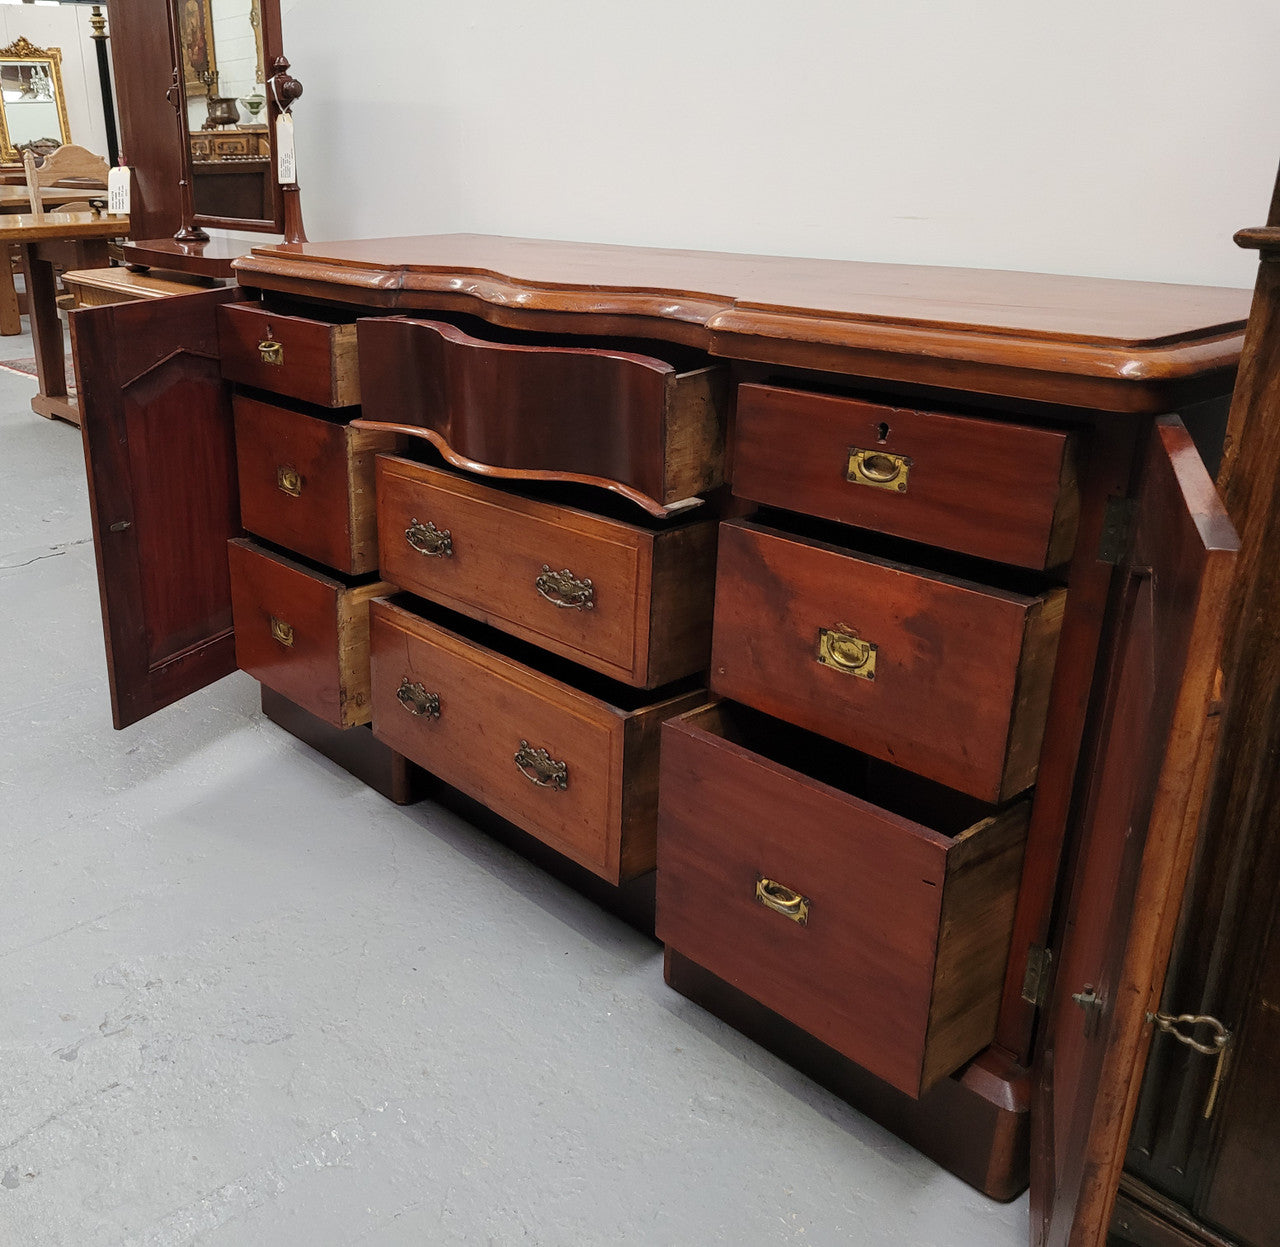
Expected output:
(272, 352)
(782, 900)
(878, 469)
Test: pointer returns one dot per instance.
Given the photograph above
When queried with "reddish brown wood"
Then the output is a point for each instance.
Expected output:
(1138, 830)
(211, 259)
(998, 491)
(910, 920)
(307, 483)
(604, 816)
(578, 413)
(316, 358)
(950, 653)
(162, 492)
(975, 1124)
(303, 634)
(354, 749)
(1114, 345)
(649, 616)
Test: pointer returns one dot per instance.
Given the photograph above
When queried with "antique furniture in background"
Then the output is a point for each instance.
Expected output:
(482, 478)
(34, 110)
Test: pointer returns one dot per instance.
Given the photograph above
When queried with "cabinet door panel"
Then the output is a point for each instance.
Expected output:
(160, 456)
(1151, 758)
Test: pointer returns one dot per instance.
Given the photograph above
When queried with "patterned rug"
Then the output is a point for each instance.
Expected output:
(23, 367)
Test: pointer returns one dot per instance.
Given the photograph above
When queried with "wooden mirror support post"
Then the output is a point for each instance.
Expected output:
(188, 231)
(284, 89)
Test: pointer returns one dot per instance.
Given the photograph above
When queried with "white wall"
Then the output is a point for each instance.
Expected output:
(66, 27)
(1123, 138)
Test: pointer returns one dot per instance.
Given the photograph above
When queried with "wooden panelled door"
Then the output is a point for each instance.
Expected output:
(160, 454)
(1150, 764)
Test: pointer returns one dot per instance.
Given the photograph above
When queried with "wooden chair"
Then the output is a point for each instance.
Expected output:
(68, 164)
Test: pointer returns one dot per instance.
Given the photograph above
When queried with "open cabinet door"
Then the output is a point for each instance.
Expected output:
(1150, 766)
(159, 450)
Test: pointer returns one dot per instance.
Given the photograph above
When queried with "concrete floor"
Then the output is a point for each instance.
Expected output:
(246, 1001)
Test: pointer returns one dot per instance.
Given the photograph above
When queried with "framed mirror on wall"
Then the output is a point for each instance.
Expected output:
(33, 108)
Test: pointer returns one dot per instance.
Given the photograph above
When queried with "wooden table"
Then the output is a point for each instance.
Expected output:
(18, 199)
(71, 240)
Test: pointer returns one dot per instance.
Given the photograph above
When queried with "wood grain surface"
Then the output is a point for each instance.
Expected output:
(317, 362)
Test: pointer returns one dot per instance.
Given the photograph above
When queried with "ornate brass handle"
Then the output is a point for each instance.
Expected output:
(539, 767)
(416, 700)
(878, 468)
(436, 543)
(564, 589)
(848, 653)
(289, 480)
(281, 631)
(782, 900)
(272, 352)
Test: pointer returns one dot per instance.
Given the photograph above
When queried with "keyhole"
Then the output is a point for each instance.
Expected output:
(882, 432)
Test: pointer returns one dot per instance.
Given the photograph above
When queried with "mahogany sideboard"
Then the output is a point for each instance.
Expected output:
(858, 598)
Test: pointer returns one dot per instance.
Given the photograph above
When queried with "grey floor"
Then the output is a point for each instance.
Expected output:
(244, 1000)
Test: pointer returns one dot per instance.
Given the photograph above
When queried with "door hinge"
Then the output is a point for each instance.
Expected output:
(1117, 530)
(1035, 981)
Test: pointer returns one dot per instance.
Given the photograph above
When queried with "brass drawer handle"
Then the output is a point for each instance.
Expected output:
(782, 900)
(540, 768)
(281, 631)
(289, 480)
(272, 352)
(435, 543)
(847, 653)
(564, 589)
(878, 468)
(416, 700)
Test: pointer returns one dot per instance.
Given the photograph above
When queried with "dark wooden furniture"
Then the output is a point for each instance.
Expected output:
(844, 843)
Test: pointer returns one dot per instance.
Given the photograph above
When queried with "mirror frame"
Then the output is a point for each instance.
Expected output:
(271, 46)
(22, 49)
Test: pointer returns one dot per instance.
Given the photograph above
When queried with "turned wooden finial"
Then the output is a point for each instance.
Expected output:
(284, 90)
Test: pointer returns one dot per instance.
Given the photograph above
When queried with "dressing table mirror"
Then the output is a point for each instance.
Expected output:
(33, 109)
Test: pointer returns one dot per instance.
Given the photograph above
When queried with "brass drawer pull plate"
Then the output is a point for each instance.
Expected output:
(782, 900)
(847, 653)
(878, 468)
(540, 768)
(281, 631)
(289, 480)
(416, 700)
(272, 352)
(564, 589)
(427, 539)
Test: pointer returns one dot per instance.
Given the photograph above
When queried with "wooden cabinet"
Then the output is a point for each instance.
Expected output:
(961, 544)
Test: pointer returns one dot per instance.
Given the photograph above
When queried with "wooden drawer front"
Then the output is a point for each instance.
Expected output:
(605, 416)
(997, 491)
(302, 634)
(307, 483)
(961, 671)
(493, 710)
(307, 359)
(644, 618)
(899, 960)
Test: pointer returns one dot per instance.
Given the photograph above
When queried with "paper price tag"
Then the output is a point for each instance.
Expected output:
(286, 161)
(119, 184)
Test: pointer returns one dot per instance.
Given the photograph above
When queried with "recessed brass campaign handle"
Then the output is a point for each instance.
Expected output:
(272, 352)
(782, 900)
(878, 468)
(435, 543)
(289, 480)
(564, 589)
(416, 700)
(539, 767)
(847, 653)
(281, 631)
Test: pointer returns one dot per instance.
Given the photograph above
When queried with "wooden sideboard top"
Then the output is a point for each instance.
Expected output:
(1094, 342)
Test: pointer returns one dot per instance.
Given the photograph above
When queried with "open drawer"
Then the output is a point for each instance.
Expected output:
(868, 906)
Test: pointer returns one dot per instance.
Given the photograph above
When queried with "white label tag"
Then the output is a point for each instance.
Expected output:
(286, 162)
(119, 184)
